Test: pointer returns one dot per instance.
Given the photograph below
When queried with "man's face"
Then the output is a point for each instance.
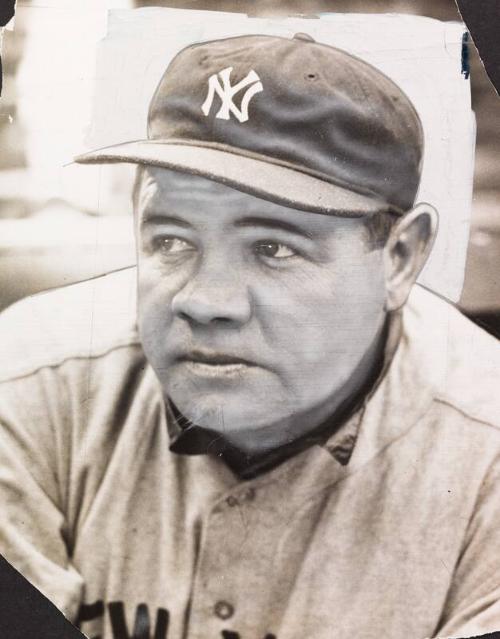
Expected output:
(252, 314)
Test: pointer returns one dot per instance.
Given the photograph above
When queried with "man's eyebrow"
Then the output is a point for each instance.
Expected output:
(265, 222)
(159, 218)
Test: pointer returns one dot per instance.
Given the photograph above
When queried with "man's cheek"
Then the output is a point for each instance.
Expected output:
(153, 321)
(155, 288)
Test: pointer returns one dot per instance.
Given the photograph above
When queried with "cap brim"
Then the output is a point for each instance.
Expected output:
(263, 179)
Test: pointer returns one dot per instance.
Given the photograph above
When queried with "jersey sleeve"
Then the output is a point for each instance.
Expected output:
(50, 345)
(473, 602)
(34, 533)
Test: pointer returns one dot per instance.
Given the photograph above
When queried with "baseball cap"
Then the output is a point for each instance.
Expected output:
(289, 120)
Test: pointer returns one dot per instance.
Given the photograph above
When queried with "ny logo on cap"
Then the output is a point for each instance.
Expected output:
(226, 92)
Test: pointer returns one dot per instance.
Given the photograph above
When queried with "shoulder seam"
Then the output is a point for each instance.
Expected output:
(64, 360)
(466, 413)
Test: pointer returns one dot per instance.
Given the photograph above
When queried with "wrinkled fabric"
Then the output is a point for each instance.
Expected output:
(125, 536)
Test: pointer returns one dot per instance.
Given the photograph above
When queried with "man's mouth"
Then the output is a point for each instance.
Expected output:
(214, 364)
(213, 359)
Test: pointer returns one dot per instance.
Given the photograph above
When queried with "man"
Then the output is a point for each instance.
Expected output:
(290, 442)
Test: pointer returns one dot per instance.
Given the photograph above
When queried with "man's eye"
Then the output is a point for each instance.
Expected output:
(172, 245)
(274, 250)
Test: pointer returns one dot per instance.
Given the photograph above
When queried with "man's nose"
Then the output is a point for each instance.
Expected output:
(215, 294)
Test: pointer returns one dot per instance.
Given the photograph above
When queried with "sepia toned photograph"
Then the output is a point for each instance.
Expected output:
(250, 311)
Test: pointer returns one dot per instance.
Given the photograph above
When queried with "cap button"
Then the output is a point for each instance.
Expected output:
(304, 36)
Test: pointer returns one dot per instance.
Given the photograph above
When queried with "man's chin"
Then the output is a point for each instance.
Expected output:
(221, 412)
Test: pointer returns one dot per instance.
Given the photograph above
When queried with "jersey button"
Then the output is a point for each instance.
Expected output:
(250, 494)
(231, 501)
(223, 610)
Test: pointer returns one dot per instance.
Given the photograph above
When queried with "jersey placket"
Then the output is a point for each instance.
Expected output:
(231, 586)
(252, 546)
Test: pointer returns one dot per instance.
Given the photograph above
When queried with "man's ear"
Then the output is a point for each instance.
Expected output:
(406, 251)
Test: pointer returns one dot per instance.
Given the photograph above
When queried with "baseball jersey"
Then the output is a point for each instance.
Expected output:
(133, 541)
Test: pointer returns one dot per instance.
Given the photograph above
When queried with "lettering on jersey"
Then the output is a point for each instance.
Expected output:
(142, 622)
(117, 618)
(226, 92)
(229, 634)
(88, 612)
